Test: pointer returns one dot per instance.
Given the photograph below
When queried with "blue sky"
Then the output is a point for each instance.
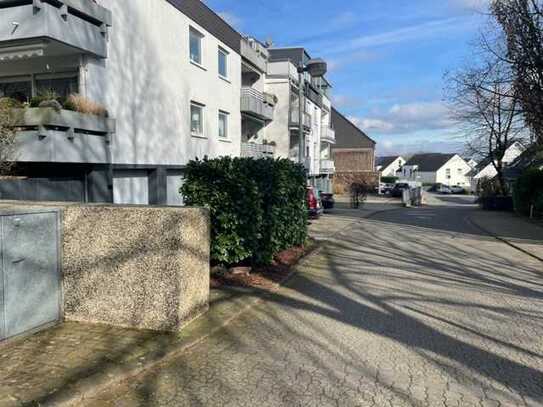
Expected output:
(386, 58)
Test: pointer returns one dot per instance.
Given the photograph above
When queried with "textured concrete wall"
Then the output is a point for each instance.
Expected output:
(136, 267)
(141, 267)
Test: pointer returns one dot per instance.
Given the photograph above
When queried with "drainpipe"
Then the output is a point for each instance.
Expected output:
(301, 108)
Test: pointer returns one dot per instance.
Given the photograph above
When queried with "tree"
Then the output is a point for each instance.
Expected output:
(7, 135)
(484, 104)
(522, 22)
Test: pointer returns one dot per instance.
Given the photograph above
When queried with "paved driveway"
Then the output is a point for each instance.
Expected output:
(412, 308)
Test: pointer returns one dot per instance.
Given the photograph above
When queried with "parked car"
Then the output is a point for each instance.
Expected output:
(328, 201)
(443, 189)
(386, 188)
(397, 191)
(456, 189)
(314, 204)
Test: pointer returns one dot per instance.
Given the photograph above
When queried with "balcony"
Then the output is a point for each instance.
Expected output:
(256, 104)
(257, 150)
(52, 28)
(295, 120)
(327, 166)
(328, 135)
(48, 135)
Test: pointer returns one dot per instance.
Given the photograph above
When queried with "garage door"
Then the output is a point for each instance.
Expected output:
(131, 187)
(29, 272)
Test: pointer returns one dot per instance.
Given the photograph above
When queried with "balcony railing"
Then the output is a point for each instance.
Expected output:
(47, 27)
(48, 135)
(328, 135)
(327, 166)
(256, 103)
(295, 121)
(257, 150)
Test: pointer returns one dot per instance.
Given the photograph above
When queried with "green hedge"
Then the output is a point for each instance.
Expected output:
(258, 207)
(389, 180)
(528, 191)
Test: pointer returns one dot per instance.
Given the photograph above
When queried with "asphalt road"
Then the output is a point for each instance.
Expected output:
(411, 308)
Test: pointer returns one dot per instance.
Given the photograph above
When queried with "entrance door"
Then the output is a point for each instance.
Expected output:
(30, 272)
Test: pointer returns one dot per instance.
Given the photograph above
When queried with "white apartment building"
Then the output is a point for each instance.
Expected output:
(169, 73)
(282, 81)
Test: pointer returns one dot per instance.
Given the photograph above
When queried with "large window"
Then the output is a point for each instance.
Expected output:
(196, 119)
(23, 88)
(223, 125)
(18, 89)
(196, 46)
(223, 63)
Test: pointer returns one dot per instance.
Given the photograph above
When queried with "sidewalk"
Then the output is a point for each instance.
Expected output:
(516, 231)
(68, 363)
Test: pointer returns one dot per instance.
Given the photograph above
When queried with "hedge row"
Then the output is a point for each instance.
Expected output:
(528, 192)
(258, 207)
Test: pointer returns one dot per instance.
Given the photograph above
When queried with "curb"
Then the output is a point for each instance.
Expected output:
(474, 223)
(115, 374)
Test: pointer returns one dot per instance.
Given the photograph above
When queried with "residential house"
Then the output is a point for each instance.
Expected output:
(169, 73)
(282, 81)
(353, 155)
(486, 168)
(436, 168)
(530, 158)
(390, 166)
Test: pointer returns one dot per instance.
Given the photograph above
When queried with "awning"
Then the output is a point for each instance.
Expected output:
(19, 52)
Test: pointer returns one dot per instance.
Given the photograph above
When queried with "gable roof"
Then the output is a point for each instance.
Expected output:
(347, 134)
(532, 157)
(197, 11)
(386, 161)
(430, 162)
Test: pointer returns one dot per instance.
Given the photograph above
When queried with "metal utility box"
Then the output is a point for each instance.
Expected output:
(30, 283)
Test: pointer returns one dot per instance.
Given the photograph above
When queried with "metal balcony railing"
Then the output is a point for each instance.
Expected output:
(295, 121)
(255, 103)
(328, 135)
(257, 150)
(327, 166)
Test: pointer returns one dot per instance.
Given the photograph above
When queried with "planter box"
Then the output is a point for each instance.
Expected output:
(48, 135)
(498, 203)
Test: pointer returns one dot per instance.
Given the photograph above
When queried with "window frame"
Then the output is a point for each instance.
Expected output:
(226, 54)
(200, 106)
(226, 116)
(193, 32)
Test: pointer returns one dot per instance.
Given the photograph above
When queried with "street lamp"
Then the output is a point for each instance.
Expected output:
(317, 68)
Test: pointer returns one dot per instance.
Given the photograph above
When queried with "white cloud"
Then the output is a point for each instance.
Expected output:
(407, 118)
(231, 18)
(431, 29)
(472, 5)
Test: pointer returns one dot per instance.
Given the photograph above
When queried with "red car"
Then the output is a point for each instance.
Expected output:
(314, 205)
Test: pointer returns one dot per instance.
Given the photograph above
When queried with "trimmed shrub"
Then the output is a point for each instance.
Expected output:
(389, 180)
(528, 191)
(257, 206)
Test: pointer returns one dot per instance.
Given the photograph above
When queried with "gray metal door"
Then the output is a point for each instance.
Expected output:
(30, 268)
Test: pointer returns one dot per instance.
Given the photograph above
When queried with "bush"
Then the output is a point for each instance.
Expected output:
(257, 206)
(528, 191)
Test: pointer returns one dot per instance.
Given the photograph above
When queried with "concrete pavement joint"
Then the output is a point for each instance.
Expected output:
(474, 223)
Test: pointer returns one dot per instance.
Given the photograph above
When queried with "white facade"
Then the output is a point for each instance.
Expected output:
(489, 171)
(393, 168)
(148, 83)
(453, 173)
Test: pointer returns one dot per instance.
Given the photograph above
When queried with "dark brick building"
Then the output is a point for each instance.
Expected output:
(353, 154)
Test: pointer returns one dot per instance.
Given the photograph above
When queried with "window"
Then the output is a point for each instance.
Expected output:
(448, 172)
(460, 172)
(223, 125)
(196, 46)
(196, 119)
(19, 90)
(223, 63)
